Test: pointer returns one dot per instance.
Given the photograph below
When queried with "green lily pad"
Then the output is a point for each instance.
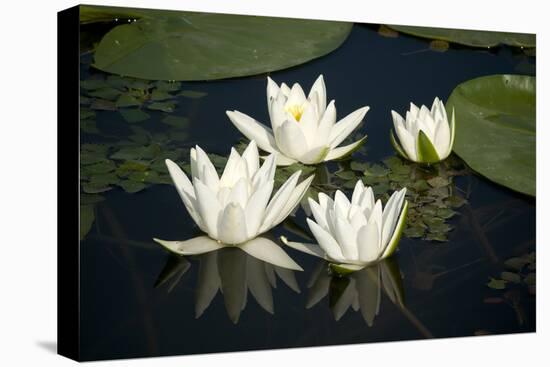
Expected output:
(470, 37)
(134, 115)
(496, 130)
(496, 283)
(162, 106)
(200, 46)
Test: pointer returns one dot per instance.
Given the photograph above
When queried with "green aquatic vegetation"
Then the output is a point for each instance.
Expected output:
(472, 38)
(176, 45)
(431, 193)
(130, 96)
(496, 129)
(518, 272)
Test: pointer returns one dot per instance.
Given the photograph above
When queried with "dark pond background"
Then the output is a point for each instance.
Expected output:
(445, 290)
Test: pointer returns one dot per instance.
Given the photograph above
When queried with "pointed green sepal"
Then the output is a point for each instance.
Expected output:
(397, 146)
(394, 241)
(425, 150)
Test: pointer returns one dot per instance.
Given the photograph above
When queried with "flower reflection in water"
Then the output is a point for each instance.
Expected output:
(360, 290)
(232, 272)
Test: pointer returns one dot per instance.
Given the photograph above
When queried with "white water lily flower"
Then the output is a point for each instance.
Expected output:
(425, 135)
(235, 208)
(303, 129)
(353, 234)
(360, 290)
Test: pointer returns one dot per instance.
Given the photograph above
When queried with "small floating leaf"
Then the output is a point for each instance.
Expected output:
(496, 283)
(134, 115)
(132, 186)
(127, 100)
(162, 106)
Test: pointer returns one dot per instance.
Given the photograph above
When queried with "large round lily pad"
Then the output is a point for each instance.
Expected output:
(470, 37)
(200, 46)
(496, 128)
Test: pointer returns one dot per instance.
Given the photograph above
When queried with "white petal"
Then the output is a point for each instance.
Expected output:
(314, 155)
(326, 241)
(325, 201)
(318, 93)
(283, 160)
(253, 130)
(185, 190)
(284, 90)
(209, 207)
(268, 251)
(278, 114)
(345, 126)
(272, 91)
(293, 201)
(231, 172)
(341, 152)
(346, 238)
(296, 97)
(319, 213)
(206, 170)
(239, 193)
(308, 124)
(341, 204)
(265, 174)
(290, 140)
(407, 142)
(232, 225)
(442, 138)
(194, 246)
(414, 110)
(357, 192)
(255, 209)
(367, 199)
(278, 202)
(326, 123)
(208, 282)
(391, 213)
(397, 119)
(307, 248)
(252, 158)
(358, 220)
(368, 242)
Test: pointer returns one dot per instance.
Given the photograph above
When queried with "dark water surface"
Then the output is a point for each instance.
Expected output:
(442, 286)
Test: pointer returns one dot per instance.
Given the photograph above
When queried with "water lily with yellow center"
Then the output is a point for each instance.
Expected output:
(237, 207)
(303, 129)
(354, 234)
(425, 136)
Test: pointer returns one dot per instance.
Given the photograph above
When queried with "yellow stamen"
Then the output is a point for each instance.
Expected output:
(295, 111)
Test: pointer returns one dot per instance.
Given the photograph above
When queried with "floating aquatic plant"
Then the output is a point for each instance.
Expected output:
(425, 135)
(354, 234)
(303, 129)
(237, 207)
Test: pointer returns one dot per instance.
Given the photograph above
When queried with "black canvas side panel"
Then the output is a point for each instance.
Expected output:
(68, 183)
